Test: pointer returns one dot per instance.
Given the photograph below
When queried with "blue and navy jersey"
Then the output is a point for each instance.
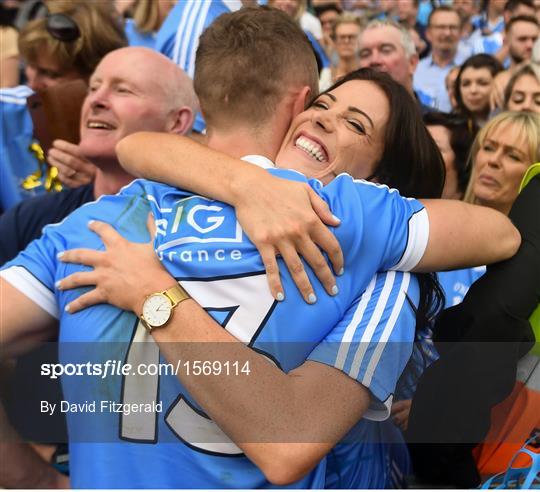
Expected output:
(16, 160)
(201, 243)
(178, 37)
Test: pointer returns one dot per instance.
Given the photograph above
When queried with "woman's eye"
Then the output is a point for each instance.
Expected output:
(357, 126)
(515, 157)
(320, 105)
(518, 98)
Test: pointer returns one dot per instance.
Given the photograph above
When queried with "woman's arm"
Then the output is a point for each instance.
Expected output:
(280, 217)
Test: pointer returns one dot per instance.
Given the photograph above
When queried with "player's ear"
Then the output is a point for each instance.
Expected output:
(302, 99)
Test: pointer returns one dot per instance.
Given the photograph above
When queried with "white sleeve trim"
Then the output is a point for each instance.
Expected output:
(416, 243)
(380, 411)
(32, 288)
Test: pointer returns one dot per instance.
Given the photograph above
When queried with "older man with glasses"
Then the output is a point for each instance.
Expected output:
(443, 32)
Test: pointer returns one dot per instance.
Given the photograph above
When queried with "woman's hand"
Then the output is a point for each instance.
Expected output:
(73, 169)
(123, 275)
(281, 217)
(400, 413)
(287, 218)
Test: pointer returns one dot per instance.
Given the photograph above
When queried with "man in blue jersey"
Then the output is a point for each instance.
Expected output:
(121, 100)
(276, 394)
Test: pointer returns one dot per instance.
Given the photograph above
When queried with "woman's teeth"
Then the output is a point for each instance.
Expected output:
(311, 148)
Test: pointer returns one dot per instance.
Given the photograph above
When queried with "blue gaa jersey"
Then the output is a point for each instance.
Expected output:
(161, 438)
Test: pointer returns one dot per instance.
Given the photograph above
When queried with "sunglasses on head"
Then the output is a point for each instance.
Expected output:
(62, 27)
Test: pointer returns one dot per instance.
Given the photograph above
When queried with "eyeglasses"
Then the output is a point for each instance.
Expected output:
(444, 27)
(346, 38)
(62, 27)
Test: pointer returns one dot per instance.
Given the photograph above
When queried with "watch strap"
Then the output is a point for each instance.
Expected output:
(176, 295)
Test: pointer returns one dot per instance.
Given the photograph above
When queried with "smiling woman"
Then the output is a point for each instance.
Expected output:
(501, 153)
(350, 129)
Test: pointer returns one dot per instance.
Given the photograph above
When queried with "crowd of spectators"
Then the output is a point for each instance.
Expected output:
(470, 67)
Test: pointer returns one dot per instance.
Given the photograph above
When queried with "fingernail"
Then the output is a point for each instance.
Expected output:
(67, 309)
(341, 271)
(90, 222)
(312, 298)
(57, 284)
(59, 255)
(280, 297)
(335, 290)
(336, 218)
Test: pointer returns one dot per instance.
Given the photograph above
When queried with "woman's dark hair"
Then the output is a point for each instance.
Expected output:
(476, 61)
(461, 139)
(412, 163)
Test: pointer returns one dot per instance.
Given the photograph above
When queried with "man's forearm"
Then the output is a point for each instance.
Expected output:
(269, 414)
(20, 466)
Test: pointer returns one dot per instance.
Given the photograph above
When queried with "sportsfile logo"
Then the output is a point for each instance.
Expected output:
(195, 219)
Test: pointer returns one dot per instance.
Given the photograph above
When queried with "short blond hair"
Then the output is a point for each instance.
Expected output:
(347, 18)
(528, 125)
(246, 61)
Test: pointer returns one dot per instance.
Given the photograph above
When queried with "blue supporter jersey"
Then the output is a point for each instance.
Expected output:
(363, 330)
(16, 160)
(136, 37)
(178, 37)
(456, 283)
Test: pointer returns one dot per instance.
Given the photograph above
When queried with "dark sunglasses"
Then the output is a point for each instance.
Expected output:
(62, 27)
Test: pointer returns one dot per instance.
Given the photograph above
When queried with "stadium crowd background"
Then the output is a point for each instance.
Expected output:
(473, 67)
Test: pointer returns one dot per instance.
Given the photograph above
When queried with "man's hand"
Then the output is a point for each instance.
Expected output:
(124, 274)
(73, 169)
(288, 219)
(400, 413)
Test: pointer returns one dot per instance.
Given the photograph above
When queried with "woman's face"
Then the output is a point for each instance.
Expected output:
(499, 167)
(442, 136)
(525, 95)
(475, 86)
(342, 131)
(46, 72)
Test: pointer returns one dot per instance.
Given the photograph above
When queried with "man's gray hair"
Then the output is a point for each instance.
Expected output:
(406, 39)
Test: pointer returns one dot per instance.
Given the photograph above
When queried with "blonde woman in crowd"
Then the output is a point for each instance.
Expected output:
(65, 45)
(500, 155)
(523, 90)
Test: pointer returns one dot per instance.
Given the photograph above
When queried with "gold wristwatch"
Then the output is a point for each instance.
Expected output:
(158, 307)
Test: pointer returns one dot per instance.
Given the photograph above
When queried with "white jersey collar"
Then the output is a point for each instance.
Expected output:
(259, 160)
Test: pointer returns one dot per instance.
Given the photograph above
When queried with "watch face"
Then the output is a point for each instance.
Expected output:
(157, 310)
